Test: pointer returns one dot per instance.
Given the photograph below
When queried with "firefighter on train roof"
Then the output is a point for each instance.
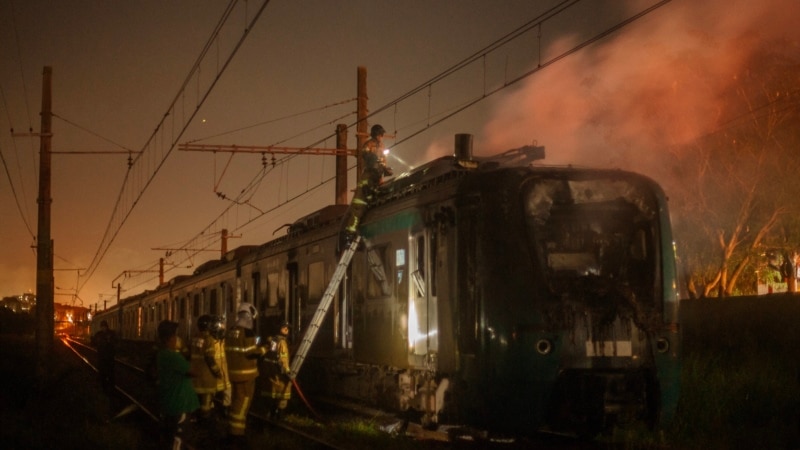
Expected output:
(209, 364)
(278, 388)
(242, 351)
(375, 168)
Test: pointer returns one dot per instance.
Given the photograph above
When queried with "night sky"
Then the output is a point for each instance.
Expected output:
(119, 66)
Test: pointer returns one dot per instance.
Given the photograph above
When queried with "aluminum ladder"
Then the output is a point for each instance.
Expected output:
(322, 309)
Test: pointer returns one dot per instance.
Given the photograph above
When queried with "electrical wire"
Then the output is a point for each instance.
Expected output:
(22, 213)
(122, 212)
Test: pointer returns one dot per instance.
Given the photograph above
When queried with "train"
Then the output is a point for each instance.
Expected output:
(491, 293)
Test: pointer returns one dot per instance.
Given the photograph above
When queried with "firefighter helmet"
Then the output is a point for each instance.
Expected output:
(203, 322)
(216, 327)
(245, 315)
(376, 131)
(247, 308)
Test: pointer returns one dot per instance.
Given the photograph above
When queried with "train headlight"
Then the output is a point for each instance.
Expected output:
(662, 345)
(544, 346)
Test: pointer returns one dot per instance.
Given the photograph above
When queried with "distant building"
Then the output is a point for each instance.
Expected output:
(19, 303)
(68, 319)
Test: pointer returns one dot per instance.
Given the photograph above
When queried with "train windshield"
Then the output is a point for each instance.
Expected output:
(594, 237)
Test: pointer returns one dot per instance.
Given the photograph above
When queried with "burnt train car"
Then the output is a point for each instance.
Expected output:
(491, 293)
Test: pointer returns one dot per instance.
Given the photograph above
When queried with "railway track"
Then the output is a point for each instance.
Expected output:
(136, 396)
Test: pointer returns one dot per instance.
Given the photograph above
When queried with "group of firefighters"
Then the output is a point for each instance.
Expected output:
(225, 366)
(228, 361)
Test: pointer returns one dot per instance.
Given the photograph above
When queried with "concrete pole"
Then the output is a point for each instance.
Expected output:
(45, 327)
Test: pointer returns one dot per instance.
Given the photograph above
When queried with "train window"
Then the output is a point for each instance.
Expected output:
(139, 321)
(257, 300)
(399, 263)
(434, 246)
(419, 283)
(196, 306)
(316, 282)
(212, 308)
(377, 282)
(420, 253)
(227, 297)
(400, 257)
(591, 235)
(272, 289)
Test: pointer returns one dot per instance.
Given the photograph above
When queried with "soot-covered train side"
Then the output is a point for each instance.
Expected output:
(489, 293)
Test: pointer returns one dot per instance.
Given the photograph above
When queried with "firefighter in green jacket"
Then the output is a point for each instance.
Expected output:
(209, 363)
(279, 389)
(242, 351)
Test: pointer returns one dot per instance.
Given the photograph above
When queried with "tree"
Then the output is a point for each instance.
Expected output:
(739, 192)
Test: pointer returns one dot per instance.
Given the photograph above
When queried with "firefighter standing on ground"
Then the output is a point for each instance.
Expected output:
(242, 351)
(208, 362)
(105, 341)
(176, 396)
(375, 169)
(279, 388)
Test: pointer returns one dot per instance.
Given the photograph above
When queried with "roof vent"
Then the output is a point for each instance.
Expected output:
(463, 151)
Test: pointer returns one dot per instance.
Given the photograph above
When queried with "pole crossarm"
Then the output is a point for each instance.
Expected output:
(264, 149)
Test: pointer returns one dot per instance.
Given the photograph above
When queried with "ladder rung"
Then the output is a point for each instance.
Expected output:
(322, 308)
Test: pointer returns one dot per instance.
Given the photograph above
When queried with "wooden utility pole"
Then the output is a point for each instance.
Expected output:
(341, 165)
(44, 244)
(361, 118)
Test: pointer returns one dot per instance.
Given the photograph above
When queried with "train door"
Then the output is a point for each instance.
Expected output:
(422, 302)
(293, 301)
(343, 315)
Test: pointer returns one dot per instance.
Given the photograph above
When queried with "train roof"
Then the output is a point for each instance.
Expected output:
(453, 166)
(420, 177)
(318, 218)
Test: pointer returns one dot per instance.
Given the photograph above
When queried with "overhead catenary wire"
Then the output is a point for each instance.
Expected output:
(109, 140)
(23, 212)
(122, 211)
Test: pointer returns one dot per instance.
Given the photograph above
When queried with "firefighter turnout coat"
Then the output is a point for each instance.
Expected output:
(209, 364)
(277, 371)
(243, 353)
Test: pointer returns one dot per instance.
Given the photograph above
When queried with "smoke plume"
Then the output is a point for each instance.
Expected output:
(632, 98)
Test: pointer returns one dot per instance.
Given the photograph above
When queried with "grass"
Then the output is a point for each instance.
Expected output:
(740, 384)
